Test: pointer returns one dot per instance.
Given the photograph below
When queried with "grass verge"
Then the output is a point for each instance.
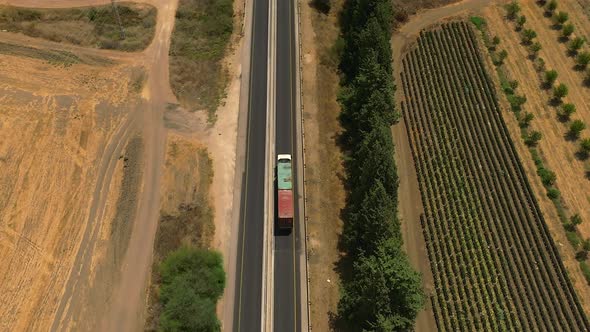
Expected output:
(199, 42)
(86, 26)
(182, 263)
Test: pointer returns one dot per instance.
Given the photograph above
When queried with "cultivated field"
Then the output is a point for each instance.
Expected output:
(494, 262)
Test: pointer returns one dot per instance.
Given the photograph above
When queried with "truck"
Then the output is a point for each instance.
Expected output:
(285, 192)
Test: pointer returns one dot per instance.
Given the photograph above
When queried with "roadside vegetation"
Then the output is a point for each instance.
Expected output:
(199, 43)
(380, 289)
(97, 27)
(187, 278)
(491, 254)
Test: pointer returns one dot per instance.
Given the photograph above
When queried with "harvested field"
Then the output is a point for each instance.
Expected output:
(86, 26)
(494, 262)
(53, 140)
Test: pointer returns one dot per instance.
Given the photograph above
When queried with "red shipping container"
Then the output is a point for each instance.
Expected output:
(285, 203)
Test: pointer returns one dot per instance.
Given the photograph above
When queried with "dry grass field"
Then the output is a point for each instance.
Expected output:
(52, 139)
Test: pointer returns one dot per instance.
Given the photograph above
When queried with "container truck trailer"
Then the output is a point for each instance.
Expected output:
(284, 191)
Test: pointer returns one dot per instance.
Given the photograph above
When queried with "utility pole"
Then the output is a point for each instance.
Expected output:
(116, 10)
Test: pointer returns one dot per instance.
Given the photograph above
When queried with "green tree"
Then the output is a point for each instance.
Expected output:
(585, 147)
(192, 282)
(576, 219)
(560, 91)
(385, 291)
(533, 138)
(567, 110)
(520, 22)
(528, 35)
(496, 41)
(586, 245)
(583, 59)
(512, 10)
(500, 57)
(534, 49)
(526, 119)
(560, 18)
(550, 77)
(567, 30)
(576, 128)
(551, 6)
(323, 6)
(372, 221)
(575, 44)
(547, 176)
(516, 101)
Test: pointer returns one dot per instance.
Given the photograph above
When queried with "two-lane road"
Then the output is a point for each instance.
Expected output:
(286, 251)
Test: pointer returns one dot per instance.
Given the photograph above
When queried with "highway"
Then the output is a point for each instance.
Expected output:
(287, 302)
(248, 294)
(286, 251)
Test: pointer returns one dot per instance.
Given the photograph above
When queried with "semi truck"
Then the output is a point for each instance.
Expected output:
(285, 191)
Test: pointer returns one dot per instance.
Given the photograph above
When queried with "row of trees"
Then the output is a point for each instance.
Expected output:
(564, 110)
(380, 289)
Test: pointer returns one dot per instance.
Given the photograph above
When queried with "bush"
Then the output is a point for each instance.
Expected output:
(547, 176)
(533, 138)
(479, 22)
(585, 271)
(192, 282)
(576, 128)
(573, 238)
(323, 6)
(553, 193)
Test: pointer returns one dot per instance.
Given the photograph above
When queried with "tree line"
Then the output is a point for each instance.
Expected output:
(380, 290)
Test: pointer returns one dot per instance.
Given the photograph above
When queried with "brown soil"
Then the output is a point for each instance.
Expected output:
(558, 153)
(324, 171)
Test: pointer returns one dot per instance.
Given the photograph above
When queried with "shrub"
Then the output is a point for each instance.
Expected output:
(576, 128)
(479, 22)
(575, 44)
(560, 91)
(528, 35)
(512, 10)
(576, 219)
(567, 30)
(551, 6)
(535, 48)
(585, 271)
(573, 239)
(192, 282)
(567, 110)
(547, 176)
(550, 77)
(533, 138)
(585, 147)
(583, 59)
(560, 18)
(323, 6)
(526, 119)
(553, 193)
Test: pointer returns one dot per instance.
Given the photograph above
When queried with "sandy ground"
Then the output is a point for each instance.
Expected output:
(556, 150)
(324, 171)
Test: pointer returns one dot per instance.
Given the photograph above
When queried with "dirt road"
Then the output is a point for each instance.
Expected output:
(125, 303)
(410, 203)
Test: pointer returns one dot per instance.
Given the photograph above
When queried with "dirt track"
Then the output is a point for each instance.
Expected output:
(124, 301)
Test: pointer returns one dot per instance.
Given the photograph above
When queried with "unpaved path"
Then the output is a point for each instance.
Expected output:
(125, 310)
(410, 202)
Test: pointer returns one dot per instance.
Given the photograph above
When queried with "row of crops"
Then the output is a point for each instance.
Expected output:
(494, 263)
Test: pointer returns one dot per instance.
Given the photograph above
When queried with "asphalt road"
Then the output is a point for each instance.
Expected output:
(248, 300)
(287, 245)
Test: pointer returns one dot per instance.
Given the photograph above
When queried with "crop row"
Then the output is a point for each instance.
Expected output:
(494, 264)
